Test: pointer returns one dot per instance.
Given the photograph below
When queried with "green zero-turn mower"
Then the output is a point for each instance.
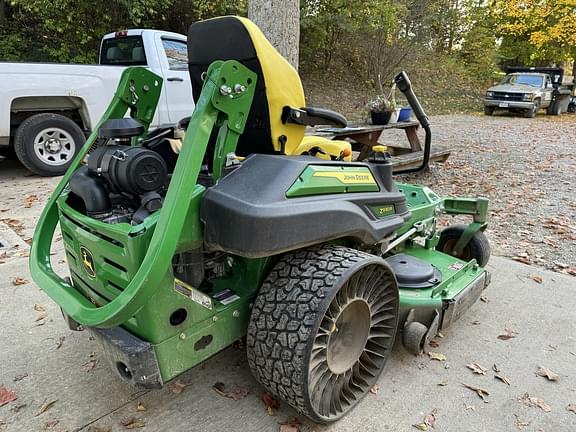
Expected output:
(182, 240)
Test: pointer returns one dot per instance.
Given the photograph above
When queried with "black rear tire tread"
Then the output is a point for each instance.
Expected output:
(286, 314)
(478, 247)
(23, 145)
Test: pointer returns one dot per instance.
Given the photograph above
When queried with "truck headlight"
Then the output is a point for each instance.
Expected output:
(489, 94)
(527, 96)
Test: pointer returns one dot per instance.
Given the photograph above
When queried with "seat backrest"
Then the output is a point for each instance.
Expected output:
(236, 38)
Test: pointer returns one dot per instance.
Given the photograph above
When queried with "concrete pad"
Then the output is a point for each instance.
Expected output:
(543, 315)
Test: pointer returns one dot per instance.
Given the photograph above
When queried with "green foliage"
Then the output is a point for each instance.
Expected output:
(70, 30)
(545, 29)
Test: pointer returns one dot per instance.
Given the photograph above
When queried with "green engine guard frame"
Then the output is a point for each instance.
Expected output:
(138, 92)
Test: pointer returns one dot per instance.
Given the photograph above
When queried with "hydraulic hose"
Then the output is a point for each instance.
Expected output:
(403, 83)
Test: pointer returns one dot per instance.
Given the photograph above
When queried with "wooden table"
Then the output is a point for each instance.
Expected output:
(364, 137)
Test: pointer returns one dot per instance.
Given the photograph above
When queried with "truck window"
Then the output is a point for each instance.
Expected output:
(177, 54)
(531, 80)
(123, 51)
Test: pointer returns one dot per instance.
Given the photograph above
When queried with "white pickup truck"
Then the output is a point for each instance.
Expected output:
(47, 109)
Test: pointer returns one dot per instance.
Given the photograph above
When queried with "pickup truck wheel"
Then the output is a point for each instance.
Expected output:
(531, 113)
(47, 143)
(554, 109)
(488, 110)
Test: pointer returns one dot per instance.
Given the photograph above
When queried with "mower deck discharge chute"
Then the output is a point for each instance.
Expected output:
(179, 244)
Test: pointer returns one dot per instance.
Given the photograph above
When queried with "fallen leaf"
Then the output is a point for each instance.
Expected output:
(270, 403)
(39, 308)
(476, 322)
(430, 418)
(177, 387)
(482, 393)
(495, 368)
(547, 373)
(484, 299)
(140, 407)
(89, 365)
(537, 279)
(502, 378)
(13, 223)
(29, 200)
(235, 393)
(535, 402)
(440, 335)
(17, 408)
(60, 342)
(7, 396)
(443, 383)
(374, 389)
(508, 335)
(133, 423)
(20, 377)
(470, 407)
(290, 425)
(50, 424)
(477, 369)
(45, 407)
(20, 281)
(436, 356)
(571, 407)
(428, 422)
(520, 423)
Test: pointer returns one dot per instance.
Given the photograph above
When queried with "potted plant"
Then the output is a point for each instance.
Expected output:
(383, 107)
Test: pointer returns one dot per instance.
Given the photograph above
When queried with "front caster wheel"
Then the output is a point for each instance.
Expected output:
(478, 247)
(322, 328)
(414, 337)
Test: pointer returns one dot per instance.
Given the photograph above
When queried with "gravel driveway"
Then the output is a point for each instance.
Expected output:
(527, 168)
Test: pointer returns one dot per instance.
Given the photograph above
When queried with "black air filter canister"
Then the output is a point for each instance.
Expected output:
(129, 169)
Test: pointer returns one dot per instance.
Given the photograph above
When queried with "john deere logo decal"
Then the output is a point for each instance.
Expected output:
(87, 261)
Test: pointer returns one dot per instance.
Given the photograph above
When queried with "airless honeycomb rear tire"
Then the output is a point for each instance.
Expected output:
(322, 328)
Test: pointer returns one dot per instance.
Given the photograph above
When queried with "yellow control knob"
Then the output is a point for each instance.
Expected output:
(379, 148)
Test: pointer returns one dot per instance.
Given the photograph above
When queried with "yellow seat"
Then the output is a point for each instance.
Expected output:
(270, 129)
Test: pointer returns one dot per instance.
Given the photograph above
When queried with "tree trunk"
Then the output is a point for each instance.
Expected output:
(279, 20)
